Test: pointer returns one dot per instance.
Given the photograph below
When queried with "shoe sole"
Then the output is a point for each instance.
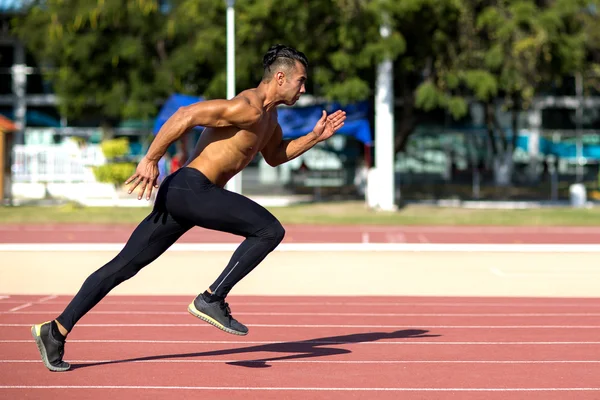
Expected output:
(194, 311)
(42, 349)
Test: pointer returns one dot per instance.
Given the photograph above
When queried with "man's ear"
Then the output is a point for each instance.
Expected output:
(280, 77)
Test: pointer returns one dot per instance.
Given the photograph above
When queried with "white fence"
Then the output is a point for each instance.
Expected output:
(55, 163)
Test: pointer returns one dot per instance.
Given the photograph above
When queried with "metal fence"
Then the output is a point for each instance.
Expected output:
(55, 163)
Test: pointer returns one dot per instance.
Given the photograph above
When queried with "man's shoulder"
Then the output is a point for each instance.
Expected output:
(249, 96)
(246, 103)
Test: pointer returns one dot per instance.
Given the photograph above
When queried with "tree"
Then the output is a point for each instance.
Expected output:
(427, 28)
(108, 59)
(120, 61)
(505, 52)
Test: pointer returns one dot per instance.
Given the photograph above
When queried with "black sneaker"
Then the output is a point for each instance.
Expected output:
(51, 349)
(218, 314)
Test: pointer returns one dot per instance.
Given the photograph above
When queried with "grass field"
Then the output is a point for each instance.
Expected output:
(353, 212)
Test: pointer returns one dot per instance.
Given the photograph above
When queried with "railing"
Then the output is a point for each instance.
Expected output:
(55, 163)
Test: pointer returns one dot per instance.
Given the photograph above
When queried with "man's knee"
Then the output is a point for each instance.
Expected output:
(273, 232)
(279, 232)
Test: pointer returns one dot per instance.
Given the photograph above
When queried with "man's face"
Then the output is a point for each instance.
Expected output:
(293, 87)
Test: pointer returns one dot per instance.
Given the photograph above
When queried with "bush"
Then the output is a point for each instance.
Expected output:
(115, 148)
(115, 173)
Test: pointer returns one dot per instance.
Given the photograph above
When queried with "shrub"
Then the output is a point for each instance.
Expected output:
(115, 173)
(115, 148)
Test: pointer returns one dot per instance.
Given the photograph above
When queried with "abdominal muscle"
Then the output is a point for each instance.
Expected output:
(222, 153)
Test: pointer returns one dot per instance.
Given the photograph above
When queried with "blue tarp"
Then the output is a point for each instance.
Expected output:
(294, 121)
(298, 121)
(170, 106)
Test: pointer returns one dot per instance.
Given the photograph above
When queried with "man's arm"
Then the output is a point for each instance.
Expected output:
(211, 113)
(278, 151)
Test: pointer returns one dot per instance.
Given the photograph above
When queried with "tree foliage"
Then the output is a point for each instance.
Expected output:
(102, 57)
(121, 59)
(506, 52)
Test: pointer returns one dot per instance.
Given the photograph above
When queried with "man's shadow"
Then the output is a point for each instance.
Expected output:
(301, 349)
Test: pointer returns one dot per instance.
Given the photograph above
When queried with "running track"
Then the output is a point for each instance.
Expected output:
(81, 233)
(310, 347)
(317, 348)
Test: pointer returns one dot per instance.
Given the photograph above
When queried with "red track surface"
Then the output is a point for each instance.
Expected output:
(75, 233)
(309, 347)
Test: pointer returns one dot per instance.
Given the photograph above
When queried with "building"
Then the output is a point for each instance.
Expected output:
(24, 96)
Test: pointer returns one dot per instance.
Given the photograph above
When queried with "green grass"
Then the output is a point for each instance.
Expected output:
(353, 212)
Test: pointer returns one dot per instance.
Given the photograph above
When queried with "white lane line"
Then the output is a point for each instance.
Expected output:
(396, 243)
(22, 306)
(47, 298)
(295, 326)
(309, 314)
(317, 342)
(239, 302)
(219, 361)
(307, 389)
(456, 229)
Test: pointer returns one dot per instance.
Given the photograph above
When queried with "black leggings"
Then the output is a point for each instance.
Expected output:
(185, 199)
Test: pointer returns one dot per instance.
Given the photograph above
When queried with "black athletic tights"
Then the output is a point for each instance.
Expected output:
(185, 199)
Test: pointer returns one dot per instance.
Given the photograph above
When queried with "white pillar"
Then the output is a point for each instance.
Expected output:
(235, 183)
(230, 49)
(384, 134)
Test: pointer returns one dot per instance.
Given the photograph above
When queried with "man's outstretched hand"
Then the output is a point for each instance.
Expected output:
(329, 124)
(146, 175)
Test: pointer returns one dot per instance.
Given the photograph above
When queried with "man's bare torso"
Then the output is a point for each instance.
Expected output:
(221, 153)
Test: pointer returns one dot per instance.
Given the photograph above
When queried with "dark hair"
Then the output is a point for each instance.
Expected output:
(280, 55)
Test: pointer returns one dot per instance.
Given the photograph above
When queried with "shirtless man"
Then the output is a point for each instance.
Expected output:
(235, 131)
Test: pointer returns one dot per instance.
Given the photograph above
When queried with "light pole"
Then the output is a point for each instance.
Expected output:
(384, 187)
(235, 183)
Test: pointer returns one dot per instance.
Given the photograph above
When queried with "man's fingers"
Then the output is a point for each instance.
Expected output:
(143, 188)
(135, 184)
(337, 119)
(140, 180)
(149, 192)
(131, 178)
(337, 116)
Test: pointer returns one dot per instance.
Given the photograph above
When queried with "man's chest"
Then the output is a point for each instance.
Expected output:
(257, 137)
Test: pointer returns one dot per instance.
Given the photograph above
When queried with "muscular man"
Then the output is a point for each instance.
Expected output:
(235, 131)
